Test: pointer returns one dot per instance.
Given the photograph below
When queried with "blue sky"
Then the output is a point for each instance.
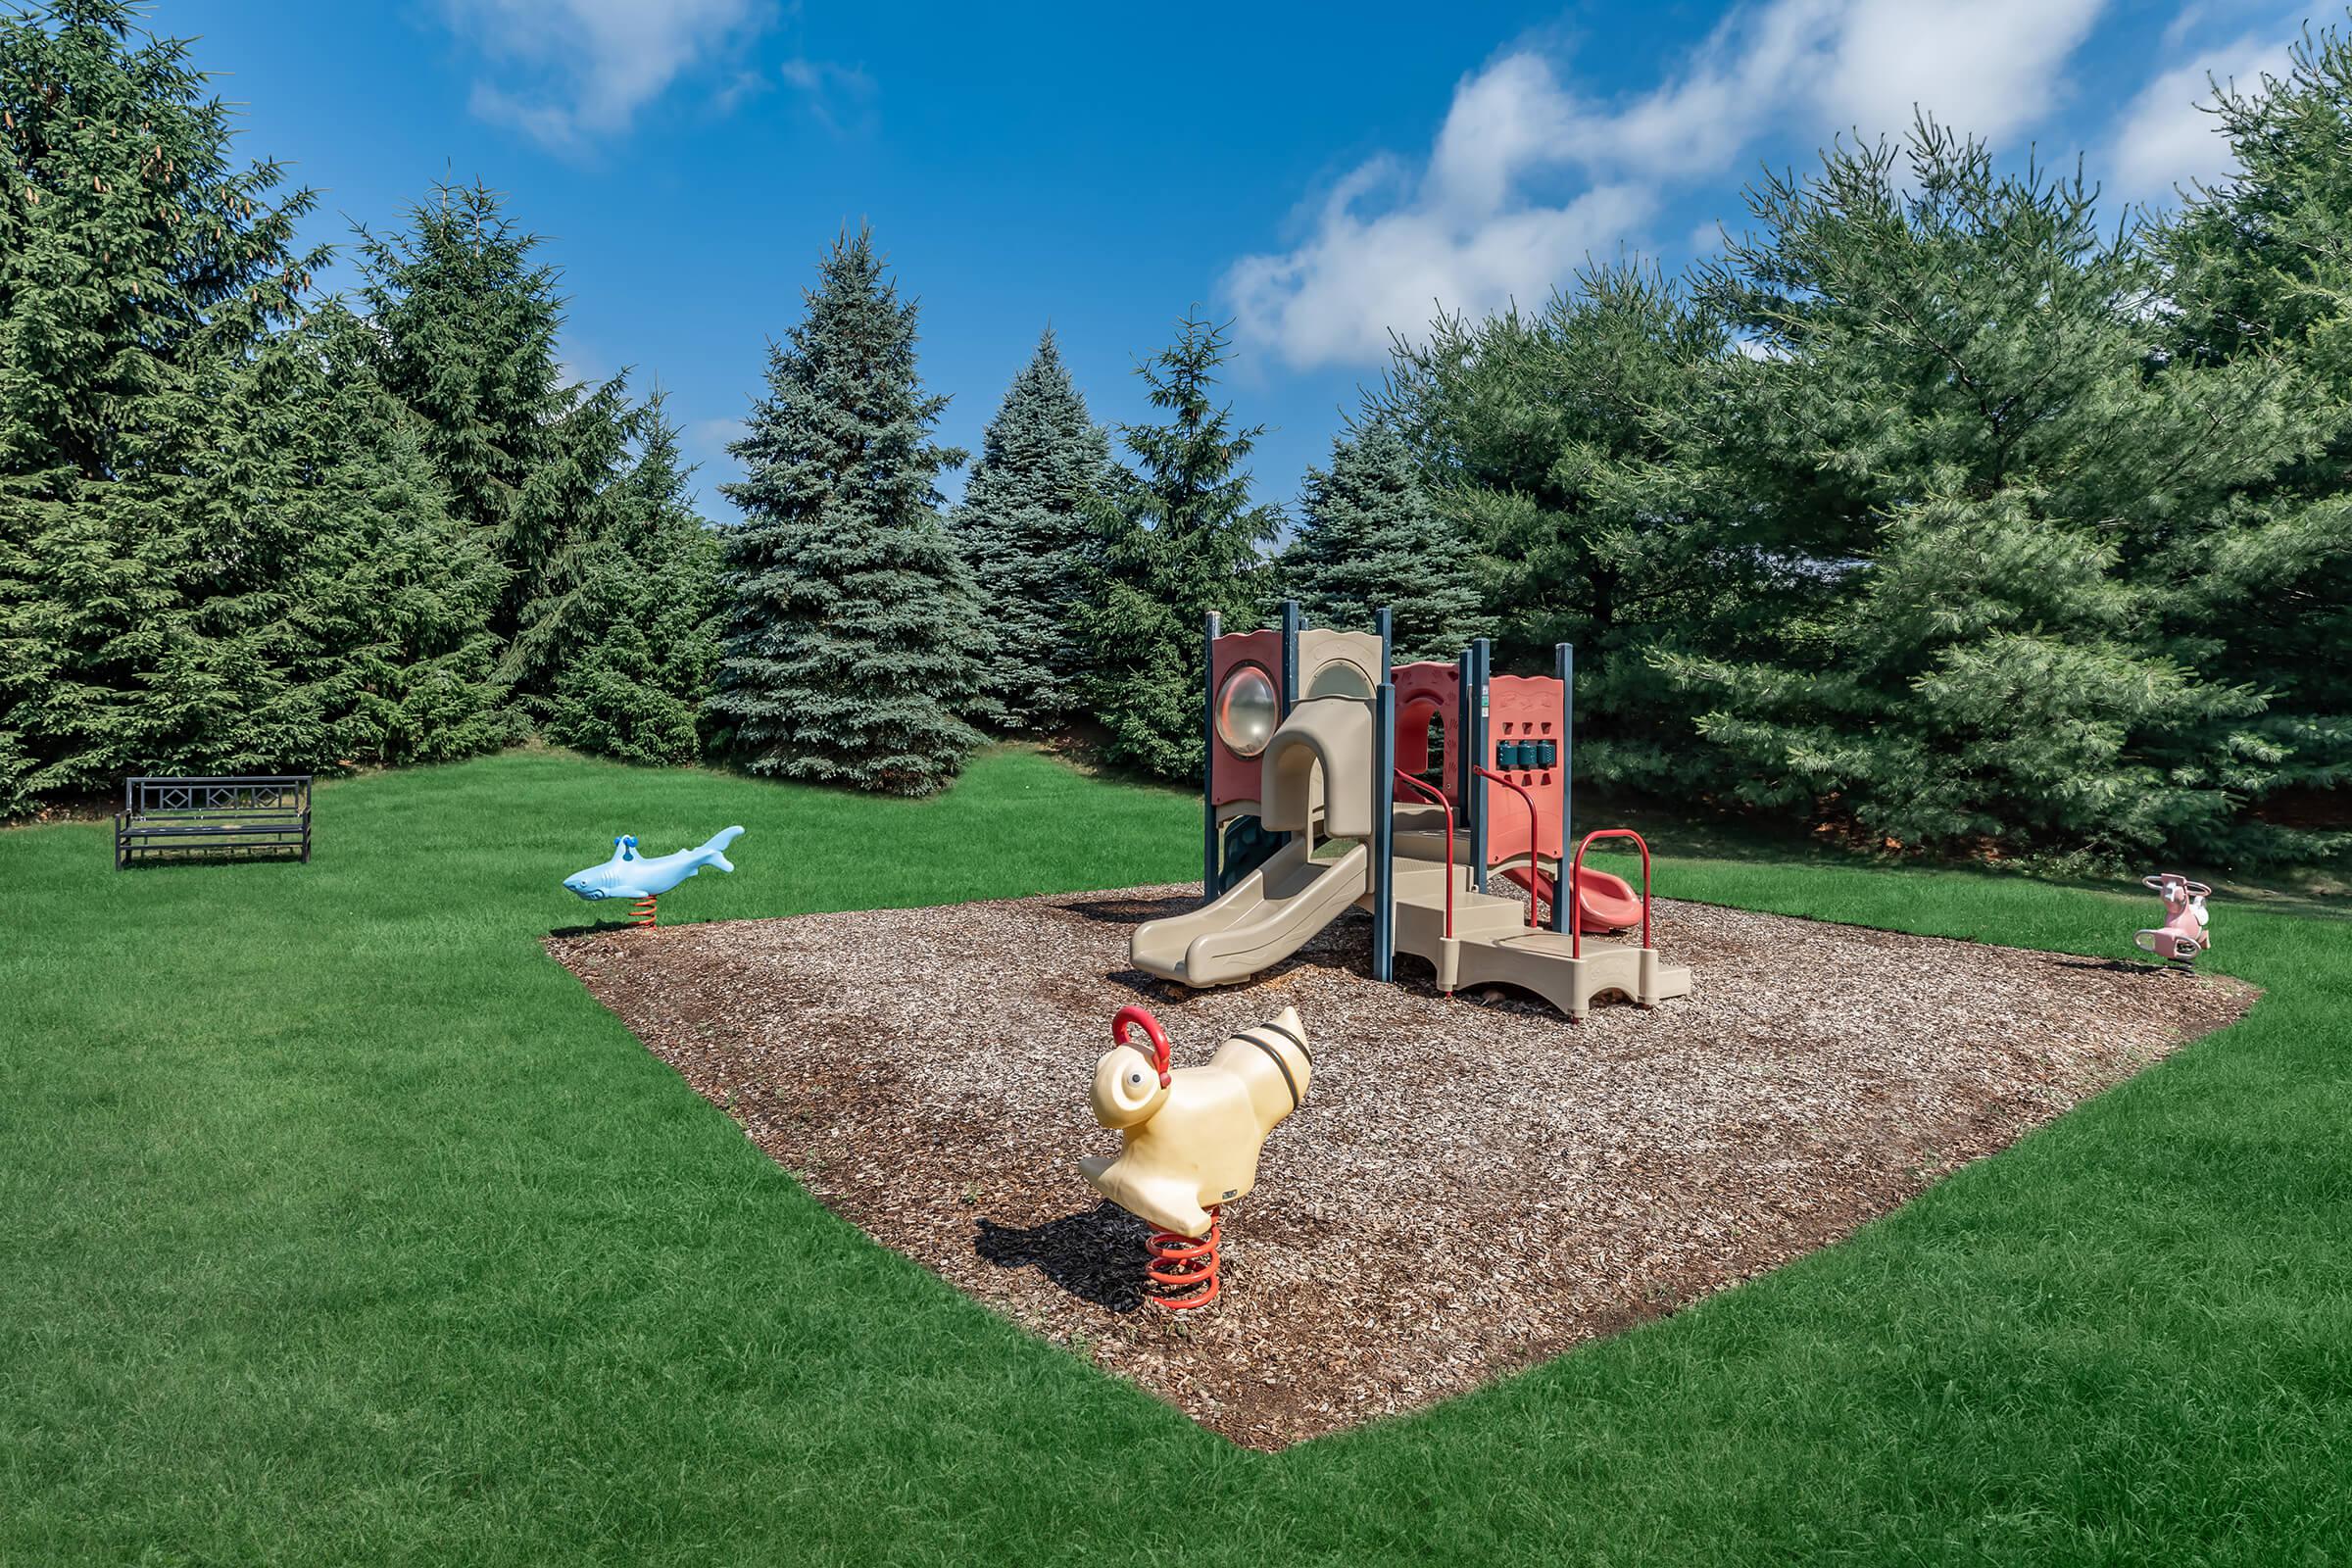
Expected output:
(1320, 175)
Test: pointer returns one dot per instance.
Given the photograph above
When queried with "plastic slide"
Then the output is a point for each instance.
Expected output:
(1261, 920)
(1603, 902)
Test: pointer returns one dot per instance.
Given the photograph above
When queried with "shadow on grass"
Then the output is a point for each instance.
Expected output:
(598, 928)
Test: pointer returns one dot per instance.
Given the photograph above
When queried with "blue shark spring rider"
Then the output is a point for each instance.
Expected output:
(630, 875)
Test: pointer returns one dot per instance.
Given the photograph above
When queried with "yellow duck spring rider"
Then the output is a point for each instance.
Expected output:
(1190, 1137)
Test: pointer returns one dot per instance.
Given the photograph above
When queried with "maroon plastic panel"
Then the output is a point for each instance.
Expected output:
(1232, 777)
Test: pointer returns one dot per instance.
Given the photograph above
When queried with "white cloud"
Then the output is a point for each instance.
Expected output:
(1525, 177)
(589, 66)
(1989, 67)
(1335, 299)
(1824, 66)
(1506, 122)
(2167, 136)
(579, 364)
(714, 435)
(1735, 84)
(2185, 24)
(837, 96)
(1460, 236)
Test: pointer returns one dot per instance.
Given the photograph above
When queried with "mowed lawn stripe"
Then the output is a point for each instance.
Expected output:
(337, 1224)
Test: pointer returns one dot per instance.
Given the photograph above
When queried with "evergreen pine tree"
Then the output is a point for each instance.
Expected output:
(577, 503)
(401, 591)
(2258, 271)
(1569, 446)
(1023, 527)
(1951, 422)
(140, 273)
(1175, 537)
(855, 637)
(332, 612)
(635, 689)
(467, 322)
(1368, 537)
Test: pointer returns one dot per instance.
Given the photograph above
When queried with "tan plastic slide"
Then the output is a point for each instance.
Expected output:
(1262, 919)
(1318, 772)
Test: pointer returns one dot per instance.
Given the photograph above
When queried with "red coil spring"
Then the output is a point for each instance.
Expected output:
(642, 911)
(1185, 1267)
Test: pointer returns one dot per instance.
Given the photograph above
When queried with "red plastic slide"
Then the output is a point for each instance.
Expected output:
(1603, 902)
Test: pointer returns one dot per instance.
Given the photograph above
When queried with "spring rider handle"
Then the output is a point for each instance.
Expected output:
(1132, 1014)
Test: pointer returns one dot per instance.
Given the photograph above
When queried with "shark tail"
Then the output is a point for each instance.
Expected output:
(714, 853)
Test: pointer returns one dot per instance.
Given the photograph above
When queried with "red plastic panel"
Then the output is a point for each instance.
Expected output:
(1522, 708)
(1424, 692)
(1231, 777)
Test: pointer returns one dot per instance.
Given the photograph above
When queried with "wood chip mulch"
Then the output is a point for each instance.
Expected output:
(1471, 1186)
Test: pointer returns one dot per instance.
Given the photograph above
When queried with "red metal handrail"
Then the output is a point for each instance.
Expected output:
(1576, 924)
(1446, 805)
(1533, 871)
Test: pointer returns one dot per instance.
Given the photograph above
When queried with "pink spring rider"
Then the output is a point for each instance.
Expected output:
(2184, 933)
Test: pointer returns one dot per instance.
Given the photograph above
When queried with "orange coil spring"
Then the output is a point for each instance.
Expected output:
(1184, 1268)
(642, 913)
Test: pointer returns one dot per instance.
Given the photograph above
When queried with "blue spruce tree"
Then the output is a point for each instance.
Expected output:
(855, 640)
(1175, 537)
(1369, 538)
(1023, 527)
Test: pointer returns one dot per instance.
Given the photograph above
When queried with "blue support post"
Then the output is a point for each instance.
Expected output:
(1481, 655)
(1291, 624)
(1464, 727)
(1384, 829)
(1384, 791)
(1208, 756)
(1563, 896)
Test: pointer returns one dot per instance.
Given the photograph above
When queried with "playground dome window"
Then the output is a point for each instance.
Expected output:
(1248, 710)
(1340, 678)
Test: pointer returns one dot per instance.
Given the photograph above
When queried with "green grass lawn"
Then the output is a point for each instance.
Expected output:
(338, 1224)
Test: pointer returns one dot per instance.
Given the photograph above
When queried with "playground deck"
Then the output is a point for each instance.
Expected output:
(1470, 1187)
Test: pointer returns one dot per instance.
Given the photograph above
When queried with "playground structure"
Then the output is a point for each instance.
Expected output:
(630, 875)
(1315, 737)
(2187, 929)
(1190, 1138)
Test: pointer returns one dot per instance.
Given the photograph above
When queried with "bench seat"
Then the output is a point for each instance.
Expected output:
(183, 818)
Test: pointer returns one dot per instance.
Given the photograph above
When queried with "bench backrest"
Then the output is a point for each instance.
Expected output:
(195, 799)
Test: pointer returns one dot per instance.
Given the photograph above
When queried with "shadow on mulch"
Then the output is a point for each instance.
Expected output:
(1128, 911)
(2122, 966)
(1094, 1254)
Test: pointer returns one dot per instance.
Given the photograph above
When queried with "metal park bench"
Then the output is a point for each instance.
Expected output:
(171, 819)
